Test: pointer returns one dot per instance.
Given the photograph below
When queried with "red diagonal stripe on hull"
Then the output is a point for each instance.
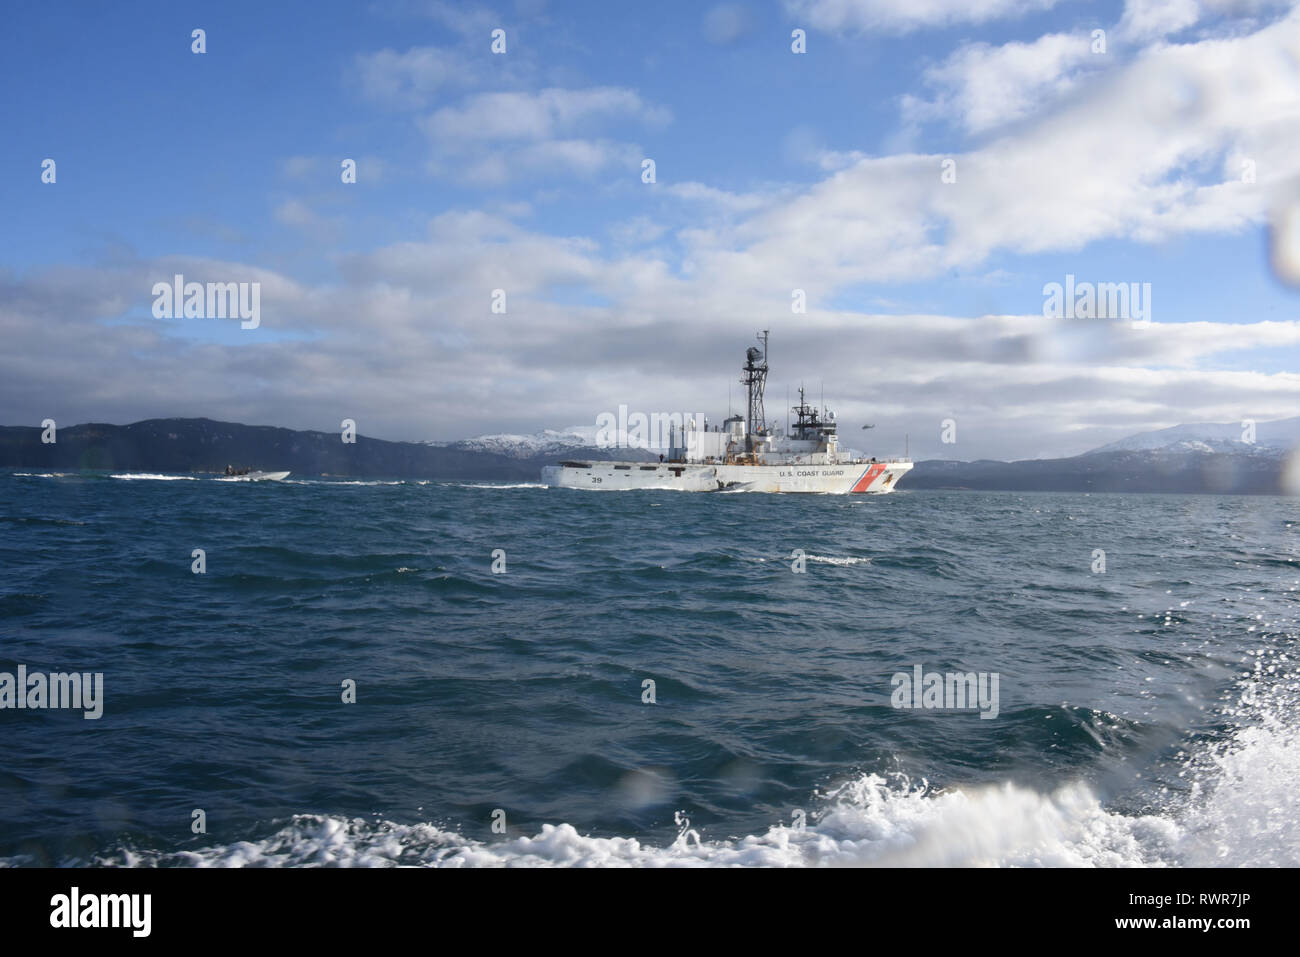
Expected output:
(870, 476)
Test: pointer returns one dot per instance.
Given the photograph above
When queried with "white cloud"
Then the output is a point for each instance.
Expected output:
(1151, 150)
(404, 342)
(410, 79)
(1152, 19)
(718, 198)
(637, 231)
(294, 212)
(536, 116)
(726, 23)
(300, 167)
(470, 20)
(981, 86)
(1148, 20)
(901, 16)
(493, 138)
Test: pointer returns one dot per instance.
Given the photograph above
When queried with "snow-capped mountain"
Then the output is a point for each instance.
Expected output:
(1271, 438)
(545, 442)
(578, 441)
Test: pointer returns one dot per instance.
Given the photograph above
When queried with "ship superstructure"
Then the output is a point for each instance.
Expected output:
(744, 453)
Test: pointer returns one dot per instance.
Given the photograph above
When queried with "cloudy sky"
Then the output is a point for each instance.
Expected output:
(920, 173)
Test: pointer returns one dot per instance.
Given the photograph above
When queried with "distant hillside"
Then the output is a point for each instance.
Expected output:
(1203, 457)
(204, 445)
(1254, 472)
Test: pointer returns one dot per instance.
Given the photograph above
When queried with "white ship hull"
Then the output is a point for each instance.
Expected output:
(831, 479)
(256, 477)
(742, 455)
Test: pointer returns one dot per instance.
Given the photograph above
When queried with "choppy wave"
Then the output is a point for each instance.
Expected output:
(1247, 821)
(871, 823)
(499, 486)
(154, 476)
(1148, 714)
(1242, 809)
(327, 482)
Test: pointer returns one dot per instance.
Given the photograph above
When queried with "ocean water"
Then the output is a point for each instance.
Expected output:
(1146, 714)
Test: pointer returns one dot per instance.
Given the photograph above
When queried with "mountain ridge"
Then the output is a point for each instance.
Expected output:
(1188, 462)
(1211, 436)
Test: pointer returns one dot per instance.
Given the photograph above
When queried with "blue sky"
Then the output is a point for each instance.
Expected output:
(774, 171)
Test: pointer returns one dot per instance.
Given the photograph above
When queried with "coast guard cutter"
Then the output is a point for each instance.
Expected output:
(744, 454)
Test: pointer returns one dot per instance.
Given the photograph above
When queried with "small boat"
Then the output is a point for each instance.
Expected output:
(252, 475)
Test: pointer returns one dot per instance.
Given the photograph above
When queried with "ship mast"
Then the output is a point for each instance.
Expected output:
(754, 381)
